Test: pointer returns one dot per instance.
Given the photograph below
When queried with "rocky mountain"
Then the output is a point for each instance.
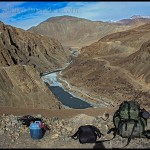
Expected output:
(21, 87)
(73, 31)
(23, 56)
(22, 47)
(113, 67)
(134, 20)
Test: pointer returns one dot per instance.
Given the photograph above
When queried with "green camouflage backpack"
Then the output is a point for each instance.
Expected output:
(130, 121)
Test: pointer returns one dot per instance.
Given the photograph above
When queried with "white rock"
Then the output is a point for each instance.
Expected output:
(7, 129)
(68, 129)
(2, 124)
(7, 119)
(99, 125)
(54, 136)
(39, 116)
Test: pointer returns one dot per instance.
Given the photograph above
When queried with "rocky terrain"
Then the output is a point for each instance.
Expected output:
(15, 135)
(20, 47)
(23, 56)
(72, 31)
(113, 66)
(138, 64)
(21, 86)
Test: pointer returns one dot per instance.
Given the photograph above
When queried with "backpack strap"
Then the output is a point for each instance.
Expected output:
(129, 107)
(97, 131)
(130, 137)
(135, 124)
(115, 129)
(114, 132)
(75, 135)
(147, 134)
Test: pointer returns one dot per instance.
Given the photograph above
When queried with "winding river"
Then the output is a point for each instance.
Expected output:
(66, 98)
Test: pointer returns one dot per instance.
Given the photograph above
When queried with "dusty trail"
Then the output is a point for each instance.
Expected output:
(126, 73)
(60, 113)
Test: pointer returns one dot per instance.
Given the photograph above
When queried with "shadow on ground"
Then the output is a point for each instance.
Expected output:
(99, 145)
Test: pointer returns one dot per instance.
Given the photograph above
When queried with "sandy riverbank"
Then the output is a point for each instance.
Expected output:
(98, 101)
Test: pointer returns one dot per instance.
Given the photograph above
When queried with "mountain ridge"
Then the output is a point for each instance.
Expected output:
(74, 31)
(102, 69)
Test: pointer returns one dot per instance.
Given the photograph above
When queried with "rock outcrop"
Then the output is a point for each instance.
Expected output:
(20, 47)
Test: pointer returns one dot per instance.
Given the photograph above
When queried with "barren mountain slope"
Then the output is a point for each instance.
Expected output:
(138, 63)
(21, 86)
(23, 47)
(102, 68)
(23, 55)
(73, 31)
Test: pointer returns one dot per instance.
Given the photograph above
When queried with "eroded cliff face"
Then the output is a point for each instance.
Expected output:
(23, 56)
(25, 48)
(21, 86)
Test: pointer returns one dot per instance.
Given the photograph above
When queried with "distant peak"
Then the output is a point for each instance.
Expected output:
(138, 16)
(64, 18)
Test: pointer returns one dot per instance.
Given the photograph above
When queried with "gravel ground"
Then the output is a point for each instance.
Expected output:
(15, 135)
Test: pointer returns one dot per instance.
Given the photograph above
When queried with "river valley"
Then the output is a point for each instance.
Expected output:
(70, 96)
(68, 99)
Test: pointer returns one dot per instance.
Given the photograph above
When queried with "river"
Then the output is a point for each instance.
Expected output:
(67, 99)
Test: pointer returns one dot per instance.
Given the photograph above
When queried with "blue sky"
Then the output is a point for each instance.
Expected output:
(27, 14)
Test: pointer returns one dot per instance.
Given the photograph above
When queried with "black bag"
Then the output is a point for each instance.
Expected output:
(27, 119)
(87, 134)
